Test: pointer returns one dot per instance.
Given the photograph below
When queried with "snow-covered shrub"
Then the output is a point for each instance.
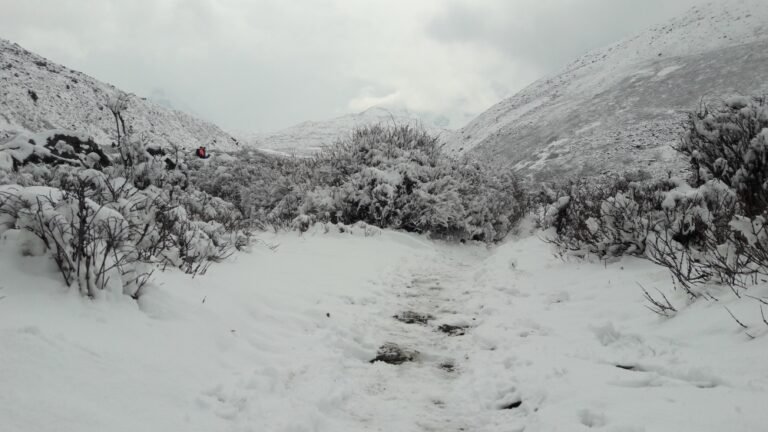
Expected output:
(398, 177)
(692, 237)
(389, 177)
(711, 229)
(613, 215)
(104, 230)
(494, 200)
(264, 188)
(716, 234)
(689, 230)
(746, 256)
(90, 243)
(435, 207)
(729, 142)
(574, 210)
(107, 225)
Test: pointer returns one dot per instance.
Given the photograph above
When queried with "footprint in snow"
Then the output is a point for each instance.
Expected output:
(592, 419)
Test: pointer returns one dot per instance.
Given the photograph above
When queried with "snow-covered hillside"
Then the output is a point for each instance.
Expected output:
(37, 95)
(512, 339)
(621, 107)
(311, 136)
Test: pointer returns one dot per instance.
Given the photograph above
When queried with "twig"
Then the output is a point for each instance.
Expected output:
(664, 309)
(757, 298)
(741, 324)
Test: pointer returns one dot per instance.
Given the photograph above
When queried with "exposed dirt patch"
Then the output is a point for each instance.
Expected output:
(411, 317)
(512, 405)
(453, 330)
(630, 368)
(447, 366)
(393, 354)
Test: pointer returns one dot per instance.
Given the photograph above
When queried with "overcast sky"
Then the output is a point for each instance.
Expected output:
(262, 65)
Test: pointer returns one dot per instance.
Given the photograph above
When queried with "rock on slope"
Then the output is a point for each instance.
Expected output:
(311, 136)
(621, 107)
(37, 95)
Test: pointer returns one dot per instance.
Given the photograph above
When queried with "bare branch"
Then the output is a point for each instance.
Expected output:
(663, 308)
(741, 324)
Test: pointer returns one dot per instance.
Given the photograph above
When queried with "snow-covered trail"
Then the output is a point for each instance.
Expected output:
(282, 341)
(344, 390)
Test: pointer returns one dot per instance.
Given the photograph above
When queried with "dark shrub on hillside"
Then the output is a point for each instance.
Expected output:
(54, 148)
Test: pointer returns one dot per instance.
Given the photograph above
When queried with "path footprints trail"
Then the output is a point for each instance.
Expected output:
(414, 336)
(432, 328)
(398, 348)
(444, 344)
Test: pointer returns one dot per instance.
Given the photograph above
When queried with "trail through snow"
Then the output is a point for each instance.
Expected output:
(283, 341)
(358, 394)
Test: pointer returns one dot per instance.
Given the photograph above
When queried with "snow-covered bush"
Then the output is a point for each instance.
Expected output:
(108, 225)
(104, 230)
(398, 177)
(494, 200)
(614, 215)
(692, 237)
(596, 215)
(90, 243)
(263, 188)
(729, 142)
(389, 177)
(727, 145)
(694, 231)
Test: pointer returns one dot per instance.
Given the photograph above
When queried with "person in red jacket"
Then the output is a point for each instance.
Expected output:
(201, 153)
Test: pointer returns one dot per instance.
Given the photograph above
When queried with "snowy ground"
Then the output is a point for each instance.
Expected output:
(281, 341)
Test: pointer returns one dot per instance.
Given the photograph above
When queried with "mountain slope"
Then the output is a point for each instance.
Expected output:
(622, 106)
(37, 95)
(311, 136)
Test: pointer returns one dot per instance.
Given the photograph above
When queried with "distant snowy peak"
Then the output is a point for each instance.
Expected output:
(37, 95)
(621, 106)
(311, 136)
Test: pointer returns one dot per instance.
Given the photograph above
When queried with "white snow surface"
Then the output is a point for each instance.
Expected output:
(37, 95)
(638, 90)
(281, 341)
(312, 136)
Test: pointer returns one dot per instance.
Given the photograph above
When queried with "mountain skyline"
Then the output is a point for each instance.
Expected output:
(231, 63)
